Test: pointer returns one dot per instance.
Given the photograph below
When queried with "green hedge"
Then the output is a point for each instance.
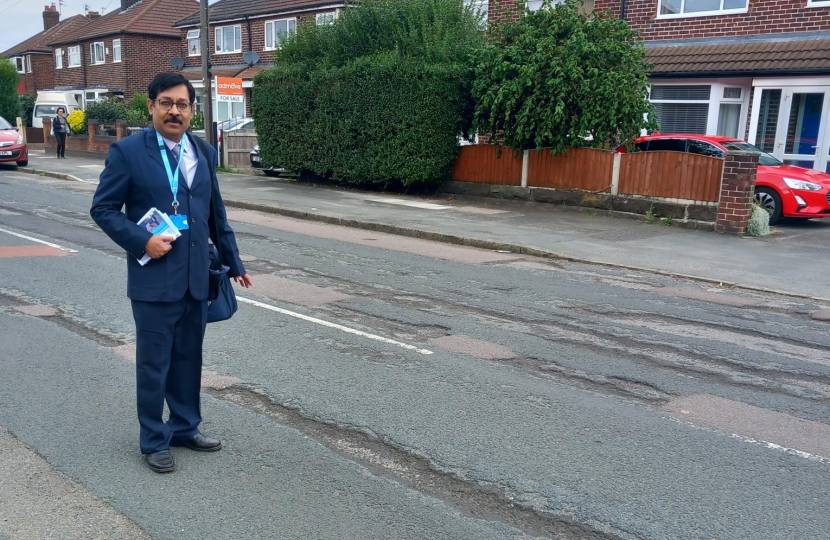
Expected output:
(382, 121)
(107, 111)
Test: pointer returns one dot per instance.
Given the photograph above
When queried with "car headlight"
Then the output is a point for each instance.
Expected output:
(20, 139)
(801, 184)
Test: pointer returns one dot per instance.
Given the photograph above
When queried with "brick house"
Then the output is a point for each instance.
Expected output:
(753, 69)
(33, 57)
(118, 54)
(240, 26)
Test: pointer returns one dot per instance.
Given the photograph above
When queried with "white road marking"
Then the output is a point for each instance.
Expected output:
(772, 446)
(413, 204)
(91, 166)
(45, 243)
(334, 325)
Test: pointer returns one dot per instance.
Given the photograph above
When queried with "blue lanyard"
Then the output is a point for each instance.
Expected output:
(173, 178)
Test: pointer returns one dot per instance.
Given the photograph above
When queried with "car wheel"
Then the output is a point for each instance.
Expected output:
(270, 172)
(22, 163)
(769, 200)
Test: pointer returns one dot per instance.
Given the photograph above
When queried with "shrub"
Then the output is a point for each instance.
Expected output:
(27, 106)
(379, 97)
(77, 121)
(559, 78)
(758, 224)
(9, 104)
(137, 118)
(106, 111)
(198, 121)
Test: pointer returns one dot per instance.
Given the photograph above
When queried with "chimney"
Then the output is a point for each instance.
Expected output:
(51, 17)
(92, 15)
(126, 4)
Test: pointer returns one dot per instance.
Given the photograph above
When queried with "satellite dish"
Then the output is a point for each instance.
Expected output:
(177, 62)
(250, 58)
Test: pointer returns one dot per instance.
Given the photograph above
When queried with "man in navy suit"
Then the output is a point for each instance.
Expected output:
(164, 168)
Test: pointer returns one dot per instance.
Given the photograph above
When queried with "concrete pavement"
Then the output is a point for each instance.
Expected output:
(793, 260)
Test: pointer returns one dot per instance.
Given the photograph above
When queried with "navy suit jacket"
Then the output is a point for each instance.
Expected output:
(135, 178)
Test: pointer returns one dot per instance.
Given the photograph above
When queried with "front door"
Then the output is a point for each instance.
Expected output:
(792, 125)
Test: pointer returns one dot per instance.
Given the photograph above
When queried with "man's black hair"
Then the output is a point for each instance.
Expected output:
(61, 109)
(166, 80)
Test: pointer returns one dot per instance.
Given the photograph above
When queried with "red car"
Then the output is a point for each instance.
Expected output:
(12, 147)
(782, 190)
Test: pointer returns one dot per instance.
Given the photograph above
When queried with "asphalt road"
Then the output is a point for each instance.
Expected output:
(373, 386)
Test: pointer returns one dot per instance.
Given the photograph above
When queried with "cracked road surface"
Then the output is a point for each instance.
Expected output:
(372, 386)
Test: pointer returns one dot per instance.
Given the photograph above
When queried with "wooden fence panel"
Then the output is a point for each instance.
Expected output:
(578, 168)
(672, 175)
(34, 135)
(481, 164)
(237, 145)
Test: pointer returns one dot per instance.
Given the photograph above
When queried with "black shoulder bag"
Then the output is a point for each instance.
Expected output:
(221, 298)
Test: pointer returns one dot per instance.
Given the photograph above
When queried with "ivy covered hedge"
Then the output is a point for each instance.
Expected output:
(378, 98)
(381, 121)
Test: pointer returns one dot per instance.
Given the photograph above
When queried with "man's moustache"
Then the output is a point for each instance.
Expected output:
(173, 120)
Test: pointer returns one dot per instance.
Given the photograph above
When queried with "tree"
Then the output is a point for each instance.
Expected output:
(379, 97)
(27, 106)
(9, 77)
(558, 78)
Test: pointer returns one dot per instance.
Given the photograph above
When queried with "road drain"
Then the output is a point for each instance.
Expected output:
(472, 499)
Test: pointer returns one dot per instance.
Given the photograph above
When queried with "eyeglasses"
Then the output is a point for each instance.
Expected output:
(166, 105)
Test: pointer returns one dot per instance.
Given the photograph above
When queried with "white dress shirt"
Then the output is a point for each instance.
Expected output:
(188, 160)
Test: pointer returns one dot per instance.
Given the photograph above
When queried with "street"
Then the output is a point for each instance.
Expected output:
(377, 386)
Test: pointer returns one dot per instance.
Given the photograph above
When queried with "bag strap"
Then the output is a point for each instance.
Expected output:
(203, 147)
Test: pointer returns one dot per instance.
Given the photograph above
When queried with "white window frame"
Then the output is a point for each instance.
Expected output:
(69, 63)
(28, 63)
(818, 3)
(535, 5)
(335, 14)
(19, 63)
(269, 46)
(116, 58)
(191, 36)
(711, 13)
(715, 99)
(92, 55)
(58, 58)
(220, 31)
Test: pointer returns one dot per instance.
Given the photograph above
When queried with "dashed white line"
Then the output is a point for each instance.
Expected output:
(334, 325)
(39, 241)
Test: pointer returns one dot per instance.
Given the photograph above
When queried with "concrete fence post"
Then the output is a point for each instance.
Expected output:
(737, 191)
(615, 174)
(525, 165)
(21, 128)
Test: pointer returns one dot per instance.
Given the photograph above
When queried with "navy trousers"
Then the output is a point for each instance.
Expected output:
(169, 368)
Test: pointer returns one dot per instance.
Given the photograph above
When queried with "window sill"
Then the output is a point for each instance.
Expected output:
(98, 64)
(818, 5)
(194, 55)
(228, 52)
(661, 17)
(116, 61)
(70, 67)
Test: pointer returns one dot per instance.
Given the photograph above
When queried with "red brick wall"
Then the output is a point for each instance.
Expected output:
(504, 10)
(763, 17)
(257, 40)
(42, 76)
(142, 57)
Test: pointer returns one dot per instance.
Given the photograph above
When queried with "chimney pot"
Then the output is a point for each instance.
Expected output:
(92, 15)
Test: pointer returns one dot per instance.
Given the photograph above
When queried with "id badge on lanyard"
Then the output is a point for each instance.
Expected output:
(179, 220)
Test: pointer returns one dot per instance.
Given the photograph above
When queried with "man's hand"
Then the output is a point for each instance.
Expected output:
(158, 245)
(244, 280)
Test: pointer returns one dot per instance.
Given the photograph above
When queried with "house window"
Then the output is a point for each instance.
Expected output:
(74, 56)
(681, 109)
(276, 30)
(324, 19)
(194, 44)
(534, 5)
(729, 114)
(19, 64)
(28, 63)
(229, 39)
(96, 53)
(691, 8)
(818, 3)
(58, 58)
(116, 50)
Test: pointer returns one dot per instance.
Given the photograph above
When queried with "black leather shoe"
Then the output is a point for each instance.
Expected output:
(200, 443)
(161, 461)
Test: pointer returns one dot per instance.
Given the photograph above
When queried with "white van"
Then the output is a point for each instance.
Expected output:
(47, 104)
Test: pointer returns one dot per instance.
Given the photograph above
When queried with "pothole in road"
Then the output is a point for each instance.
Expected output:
(472, 499)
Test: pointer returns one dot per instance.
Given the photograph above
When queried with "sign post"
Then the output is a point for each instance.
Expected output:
(229, 90)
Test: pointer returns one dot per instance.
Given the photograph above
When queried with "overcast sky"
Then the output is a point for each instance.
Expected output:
(21, 19)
